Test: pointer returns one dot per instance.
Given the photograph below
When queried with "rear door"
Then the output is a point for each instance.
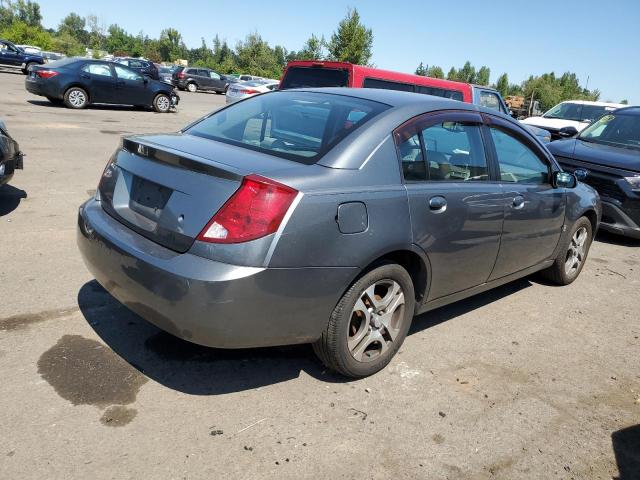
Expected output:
(131, 87)
(455, 203)
(534, 210)
(99, 80)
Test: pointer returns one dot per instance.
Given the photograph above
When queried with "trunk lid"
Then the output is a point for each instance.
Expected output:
(161, 191)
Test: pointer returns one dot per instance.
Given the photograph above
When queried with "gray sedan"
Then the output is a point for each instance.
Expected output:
(331, 217)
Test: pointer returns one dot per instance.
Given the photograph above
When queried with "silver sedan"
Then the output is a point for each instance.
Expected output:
(243, 90)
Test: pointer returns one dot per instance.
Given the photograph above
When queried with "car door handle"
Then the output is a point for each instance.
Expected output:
(437, 204)
(84, 75)
(518, 202)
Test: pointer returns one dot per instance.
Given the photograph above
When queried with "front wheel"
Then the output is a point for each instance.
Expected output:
(76, 98)
(162, 103)
(572, 255)
(369, 324)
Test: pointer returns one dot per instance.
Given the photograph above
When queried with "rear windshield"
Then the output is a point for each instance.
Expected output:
(299, 126)
(314, 77)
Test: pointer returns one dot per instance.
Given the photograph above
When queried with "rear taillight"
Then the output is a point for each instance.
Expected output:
(181, 75)
(46, 73)
(255, 210)
(248, 91)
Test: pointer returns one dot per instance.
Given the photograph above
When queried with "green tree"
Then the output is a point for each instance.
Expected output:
(74, 25)
(421, 70)
(482, 76)
(352, 42)
(28, 12)
(22, 33)
(452, 74)
(502, 85)
(253, 55)
(171, 46)
(65, 43)
(313, 49)
(7, 13)
(624, 102)
(435, 72)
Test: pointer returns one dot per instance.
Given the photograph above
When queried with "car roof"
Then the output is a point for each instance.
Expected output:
(395, 98)
(632, 110)
(598, 104)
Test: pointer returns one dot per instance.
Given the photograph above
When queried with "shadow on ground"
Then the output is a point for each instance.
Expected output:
(101, 106)
(610, 238)
(10, 197)
(198, 370)
(626, 447)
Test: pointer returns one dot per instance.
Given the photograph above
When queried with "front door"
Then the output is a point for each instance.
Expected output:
(204, 80)
(533, 209)
(9, 55)
(131, 87)
(456, 206)
(99, 81)
(217, 83)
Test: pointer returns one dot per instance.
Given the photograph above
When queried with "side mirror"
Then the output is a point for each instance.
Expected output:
(568, 132)
(564, 180)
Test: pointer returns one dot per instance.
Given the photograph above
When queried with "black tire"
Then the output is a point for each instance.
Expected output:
(76, 98)
(333, 346)
(192, 87)
(27, 67)
(162, 103)
(558, 273)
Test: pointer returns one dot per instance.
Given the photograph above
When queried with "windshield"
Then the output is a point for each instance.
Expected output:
(576, 111)
(314, 77)
(617, 130)
(300, 126)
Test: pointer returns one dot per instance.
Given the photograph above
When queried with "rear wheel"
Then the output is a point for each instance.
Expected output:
(76, 98)
(192, 87)
(27, 67)
(573, 254)
(162, 103)
(369, 324)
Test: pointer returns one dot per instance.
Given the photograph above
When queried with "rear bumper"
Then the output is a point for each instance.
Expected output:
(615, 220)
(8, 168)
(49, 89)
(203, 301)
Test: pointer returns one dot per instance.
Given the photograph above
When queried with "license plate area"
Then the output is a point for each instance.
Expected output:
(148, 198)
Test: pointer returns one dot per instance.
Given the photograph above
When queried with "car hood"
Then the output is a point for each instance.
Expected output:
(554, 123)
(598, 154)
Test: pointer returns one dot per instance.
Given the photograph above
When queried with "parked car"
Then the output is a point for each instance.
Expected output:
(14, 57)
(30, 49)
(313, 216)
(568, 118)
(79, 82)
(194, 79)
(10, 155)
(241, 90)
(314, 74)
(606, 155)
(145, 67)
(248, 78)
(166, 73)
(52, 56)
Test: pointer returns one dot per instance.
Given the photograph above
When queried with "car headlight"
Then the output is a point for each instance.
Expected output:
(634, 182)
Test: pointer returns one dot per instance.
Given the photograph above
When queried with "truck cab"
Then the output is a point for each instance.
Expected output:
(12, 56)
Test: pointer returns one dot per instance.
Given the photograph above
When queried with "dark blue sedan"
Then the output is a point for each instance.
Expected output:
(606, 155)
(78, 82)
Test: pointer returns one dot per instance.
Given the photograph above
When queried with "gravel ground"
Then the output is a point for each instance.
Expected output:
(528, 381)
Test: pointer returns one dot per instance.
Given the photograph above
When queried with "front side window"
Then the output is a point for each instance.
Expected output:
(98, 69)
(126, 74)
(300, 126)
(578, 112)
(518, 163)
(490, 100)
(214, 75)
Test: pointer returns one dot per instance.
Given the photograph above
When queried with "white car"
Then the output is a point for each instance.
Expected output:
(573, 113)
(240, 90)
(31, 49)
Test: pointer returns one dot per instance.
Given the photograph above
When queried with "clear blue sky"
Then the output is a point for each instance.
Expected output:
(595, 39)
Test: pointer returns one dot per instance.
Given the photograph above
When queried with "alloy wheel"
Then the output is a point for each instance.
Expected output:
(576, 252)
(192, 87)
(77, 98)
(163, 103)
(376, 320)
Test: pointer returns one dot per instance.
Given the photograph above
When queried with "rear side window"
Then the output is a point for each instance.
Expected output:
(490, 100)
(518, 163)
(98, 69)
(299, 126)
(387, 85)
(314, 77)
(440, 92)
(447, 151)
